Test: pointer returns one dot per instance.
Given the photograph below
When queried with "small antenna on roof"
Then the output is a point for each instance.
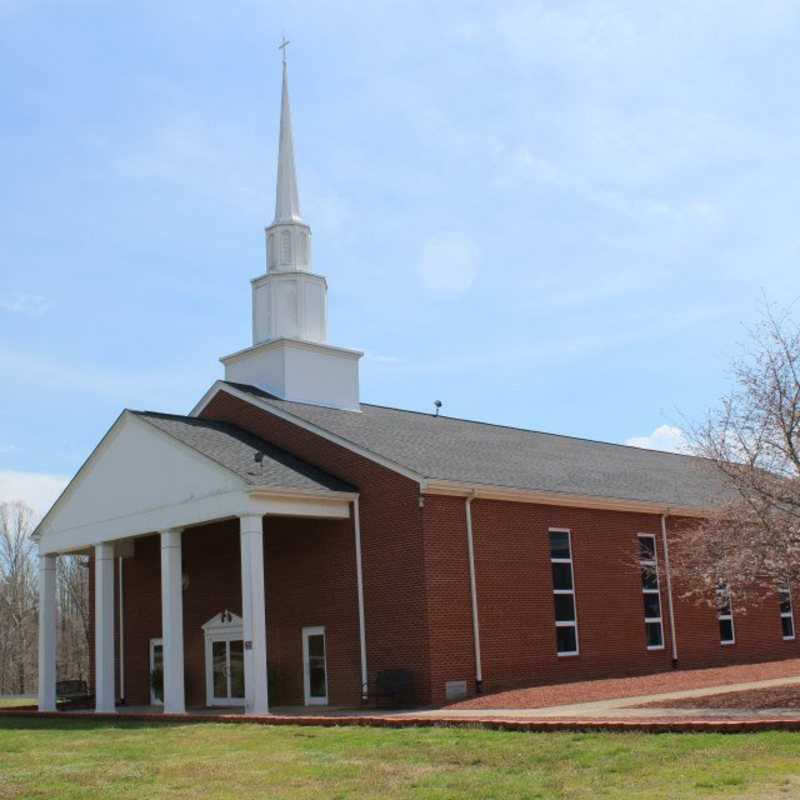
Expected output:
(437, 404)
(258, 457)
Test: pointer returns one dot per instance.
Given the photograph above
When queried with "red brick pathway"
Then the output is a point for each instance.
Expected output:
(613, 688)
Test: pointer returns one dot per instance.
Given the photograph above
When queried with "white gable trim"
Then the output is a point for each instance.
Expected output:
(308, 426)
(216, 624)
(111, 434)
(208, 493)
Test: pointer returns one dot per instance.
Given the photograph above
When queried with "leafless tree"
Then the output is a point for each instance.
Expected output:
(73, 618)
(753, 439)
(19, 598)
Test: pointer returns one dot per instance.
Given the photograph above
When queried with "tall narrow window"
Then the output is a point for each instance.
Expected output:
(787, 613)
(648, 561)
(563, 593)
(727, 635)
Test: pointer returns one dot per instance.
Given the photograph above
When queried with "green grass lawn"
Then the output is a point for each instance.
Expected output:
(87, 759)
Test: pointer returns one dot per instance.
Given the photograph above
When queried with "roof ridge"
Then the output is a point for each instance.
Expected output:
(268, 396)
(531, 430)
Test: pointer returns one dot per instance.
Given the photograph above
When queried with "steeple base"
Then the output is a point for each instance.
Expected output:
(301, 371)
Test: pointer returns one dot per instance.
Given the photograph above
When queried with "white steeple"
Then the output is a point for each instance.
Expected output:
(287, 205)
(289, 356)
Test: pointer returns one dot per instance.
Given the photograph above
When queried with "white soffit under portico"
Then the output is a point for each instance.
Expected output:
(140, 480)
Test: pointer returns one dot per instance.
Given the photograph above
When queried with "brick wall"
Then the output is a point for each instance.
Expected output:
(416, 586)
(310, 580)
(391, 535)
(757, 627)
(515, 599)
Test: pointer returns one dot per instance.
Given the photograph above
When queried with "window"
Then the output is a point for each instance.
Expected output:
(563, 593)
(787, 613)
(727, 635)
(648, 563)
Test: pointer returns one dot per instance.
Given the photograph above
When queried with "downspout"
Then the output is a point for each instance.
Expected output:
(673, 632)
(476, 632)
(362, 634)
(121, 634)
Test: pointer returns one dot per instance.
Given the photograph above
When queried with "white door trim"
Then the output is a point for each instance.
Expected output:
(154, 701)
(315, 630)
(225, 627)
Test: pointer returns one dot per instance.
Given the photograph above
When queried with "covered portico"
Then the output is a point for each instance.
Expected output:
(168, 475)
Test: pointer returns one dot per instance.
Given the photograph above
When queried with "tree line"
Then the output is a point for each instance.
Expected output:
(19, 607)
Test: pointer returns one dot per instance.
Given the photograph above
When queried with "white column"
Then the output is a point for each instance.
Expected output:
(172, 621)
(254, 614)
(105, 700)
(47, 633)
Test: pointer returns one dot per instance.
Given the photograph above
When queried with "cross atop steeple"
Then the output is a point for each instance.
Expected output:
(282, 46)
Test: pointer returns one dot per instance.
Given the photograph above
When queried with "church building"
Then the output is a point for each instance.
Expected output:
(286, 544)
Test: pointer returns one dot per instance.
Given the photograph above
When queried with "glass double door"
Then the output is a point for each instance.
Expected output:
(227, 672)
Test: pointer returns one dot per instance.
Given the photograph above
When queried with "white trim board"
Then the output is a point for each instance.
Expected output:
(140, 480)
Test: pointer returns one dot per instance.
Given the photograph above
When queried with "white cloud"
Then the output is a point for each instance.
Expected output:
(665, 437)
(32, 305)
(39, 490)
(448, 263)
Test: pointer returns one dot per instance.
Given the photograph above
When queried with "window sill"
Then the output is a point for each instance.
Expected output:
(568, 655)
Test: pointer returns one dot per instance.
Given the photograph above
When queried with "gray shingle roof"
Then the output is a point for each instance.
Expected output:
(235, 449)
(443, 448)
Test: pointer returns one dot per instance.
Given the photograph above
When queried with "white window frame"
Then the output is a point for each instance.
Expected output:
(729, 617)
(566, 624)
(787, 614)
(646, 563)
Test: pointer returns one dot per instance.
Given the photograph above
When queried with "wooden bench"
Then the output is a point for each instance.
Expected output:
(73, 694)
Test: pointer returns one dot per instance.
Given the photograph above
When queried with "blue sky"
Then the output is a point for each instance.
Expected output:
(559, 215)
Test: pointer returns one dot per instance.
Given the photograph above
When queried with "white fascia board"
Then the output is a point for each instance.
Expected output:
(273, 501)
(198, 511)
(486, 492)
(305, 425)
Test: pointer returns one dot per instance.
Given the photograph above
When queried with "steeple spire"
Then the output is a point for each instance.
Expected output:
(287, 204)
(290, 356)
